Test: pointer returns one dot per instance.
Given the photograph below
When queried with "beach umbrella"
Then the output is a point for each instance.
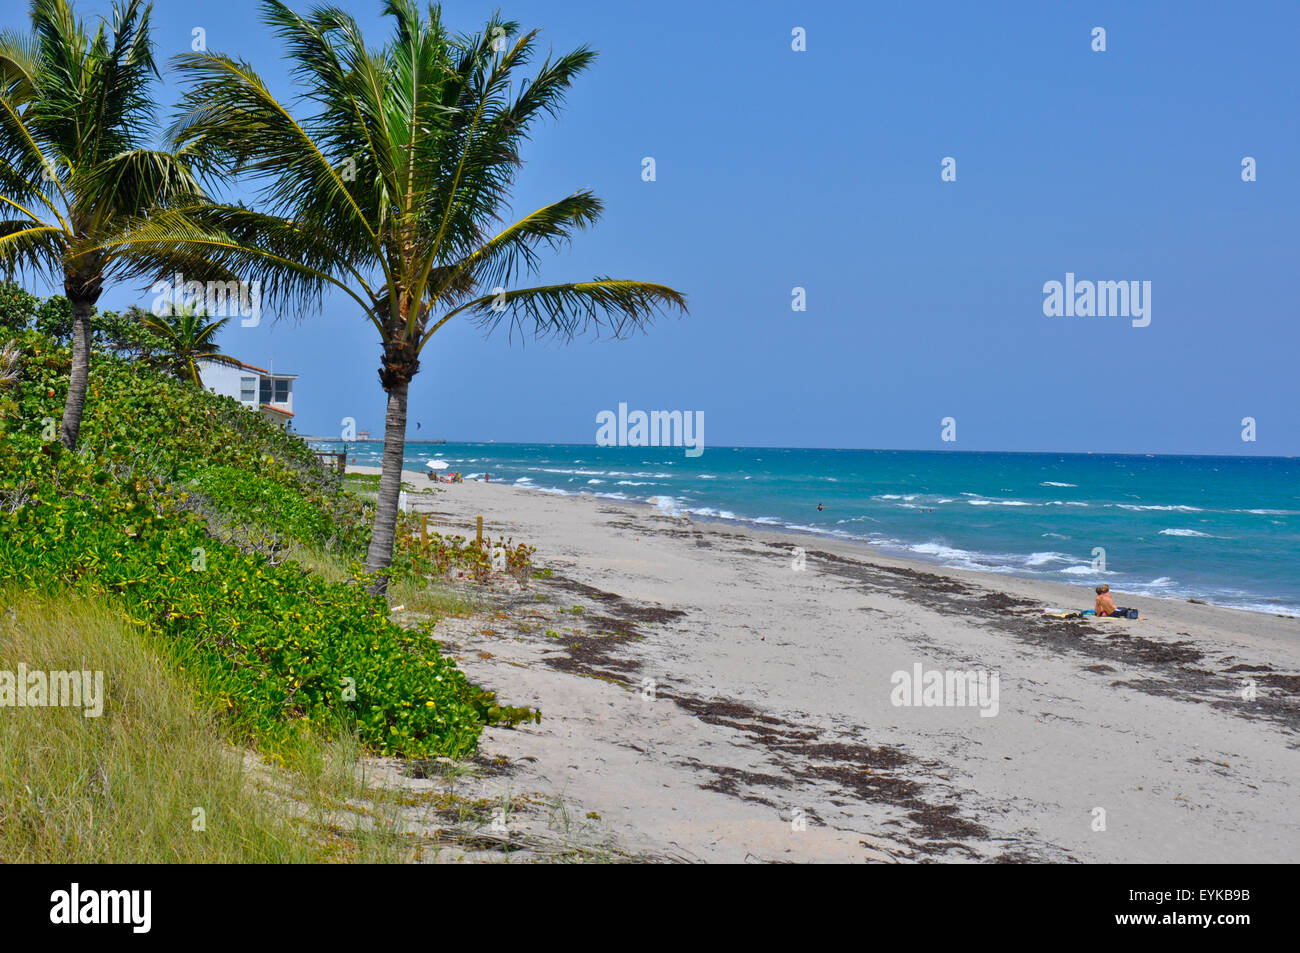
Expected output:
(437, 464)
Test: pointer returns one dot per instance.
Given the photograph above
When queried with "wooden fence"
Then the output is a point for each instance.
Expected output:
(337, 460)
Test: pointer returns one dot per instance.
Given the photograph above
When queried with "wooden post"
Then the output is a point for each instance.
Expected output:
(424, 533)
(479, 534)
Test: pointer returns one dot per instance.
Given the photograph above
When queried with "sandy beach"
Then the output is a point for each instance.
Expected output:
(706, 701)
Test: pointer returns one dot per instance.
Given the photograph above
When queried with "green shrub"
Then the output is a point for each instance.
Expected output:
(276, 648)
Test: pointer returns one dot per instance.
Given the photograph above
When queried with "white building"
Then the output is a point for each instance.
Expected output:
(254, 387)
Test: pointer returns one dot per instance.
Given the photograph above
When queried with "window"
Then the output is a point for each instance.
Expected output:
(248, 389)
(281, 391)
(264, 394)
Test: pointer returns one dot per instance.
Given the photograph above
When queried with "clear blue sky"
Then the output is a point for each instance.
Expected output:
(821, 169)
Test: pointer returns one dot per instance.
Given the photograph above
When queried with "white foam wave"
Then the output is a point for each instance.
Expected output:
(1168, 509)
(667, 505)
(1085, 570)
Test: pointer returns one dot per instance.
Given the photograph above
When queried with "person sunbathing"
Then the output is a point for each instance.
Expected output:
(1105, 605)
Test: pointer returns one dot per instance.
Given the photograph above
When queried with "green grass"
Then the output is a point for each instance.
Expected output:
(124, 787)
(430, 598)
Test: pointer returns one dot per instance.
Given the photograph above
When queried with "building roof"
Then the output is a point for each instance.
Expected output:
(287, 413)
(260, 370)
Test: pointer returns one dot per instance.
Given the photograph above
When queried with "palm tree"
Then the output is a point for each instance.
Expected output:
(188, 339)
(388, 192)
(74, 170)
(8, 364)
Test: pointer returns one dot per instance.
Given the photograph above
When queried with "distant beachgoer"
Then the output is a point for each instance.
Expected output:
(820, 507)
(487, 478)
(1105, 605)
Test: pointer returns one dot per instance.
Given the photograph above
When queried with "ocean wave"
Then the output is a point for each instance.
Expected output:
(593, 481)
(1187, 532)
(568, 472)
(1039, 559)
(819, 531)
(1086, 569)
(667, 505)
(1054, 483)
(1167, 509)
(709, 511)
(936, 549)
(952, 558)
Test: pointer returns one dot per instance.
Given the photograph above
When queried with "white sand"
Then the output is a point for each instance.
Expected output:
(1184, 768)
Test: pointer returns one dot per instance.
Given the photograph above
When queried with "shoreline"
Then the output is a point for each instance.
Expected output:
(1067, 595)
(705, 701)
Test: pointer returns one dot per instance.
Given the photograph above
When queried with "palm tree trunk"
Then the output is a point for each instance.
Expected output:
(380, 554)
(75, 406)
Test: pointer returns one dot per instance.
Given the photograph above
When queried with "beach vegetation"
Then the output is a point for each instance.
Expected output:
(275, 648)
(123, 787)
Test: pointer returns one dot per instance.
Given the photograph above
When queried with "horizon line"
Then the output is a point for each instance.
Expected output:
(1078, 453)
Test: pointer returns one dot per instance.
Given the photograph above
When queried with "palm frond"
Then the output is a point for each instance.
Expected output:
(612, 307)
(39, 247)
(9, 355)
(514, 249)
(293, 266)
(232, 116)
(19, 63)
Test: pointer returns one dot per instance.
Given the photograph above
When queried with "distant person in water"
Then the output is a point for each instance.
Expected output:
(1105, 605)
(820, 507)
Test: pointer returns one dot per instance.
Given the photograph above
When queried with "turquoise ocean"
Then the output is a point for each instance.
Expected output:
(1222, 529)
